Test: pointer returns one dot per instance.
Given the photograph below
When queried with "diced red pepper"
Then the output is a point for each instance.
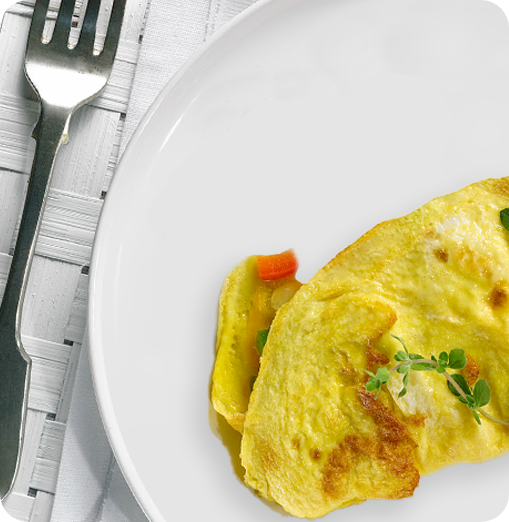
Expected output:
(277, 266)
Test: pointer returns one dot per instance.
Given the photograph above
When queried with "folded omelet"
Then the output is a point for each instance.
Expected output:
(313, 438)
(247, 306)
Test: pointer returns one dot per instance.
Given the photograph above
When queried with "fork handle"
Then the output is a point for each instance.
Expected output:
(48, 133)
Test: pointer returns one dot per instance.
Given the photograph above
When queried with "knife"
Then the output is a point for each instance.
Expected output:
(15, 366)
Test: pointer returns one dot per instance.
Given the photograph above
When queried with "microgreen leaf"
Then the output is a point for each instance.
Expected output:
(415, 356)
(401, 356)
(476, 417)
(383, 375)
(457, 359)
(401, 341)
(403, 369)
(504, 218)
(375, 381)
(462, 383)
(420, 367)
(372, 384)
(471, 402)
(482, 393)
(443, 357)
(406, 376)
(261, 340)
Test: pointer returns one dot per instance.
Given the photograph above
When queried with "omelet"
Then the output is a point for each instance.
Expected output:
(314, 439)
(247, 306)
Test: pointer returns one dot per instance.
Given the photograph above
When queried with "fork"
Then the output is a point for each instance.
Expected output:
(64, 79)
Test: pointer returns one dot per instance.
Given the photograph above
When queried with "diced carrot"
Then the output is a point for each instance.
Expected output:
(277, 266)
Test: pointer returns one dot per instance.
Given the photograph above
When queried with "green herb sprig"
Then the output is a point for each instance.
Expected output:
(475, 398)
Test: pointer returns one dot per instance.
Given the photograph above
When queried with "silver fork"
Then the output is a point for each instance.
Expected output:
(64, 79)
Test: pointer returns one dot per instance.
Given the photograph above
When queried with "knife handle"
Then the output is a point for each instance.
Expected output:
(15, 364)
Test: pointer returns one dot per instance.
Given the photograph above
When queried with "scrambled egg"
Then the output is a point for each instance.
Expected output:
(313, 438)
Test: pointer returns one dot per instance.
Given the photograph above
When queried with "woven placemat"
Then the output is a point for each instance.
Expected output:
(54, 313)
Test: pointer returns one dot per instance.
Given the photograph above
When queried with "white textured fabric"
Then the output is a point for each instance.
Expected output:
(174, 30)
(91, 487)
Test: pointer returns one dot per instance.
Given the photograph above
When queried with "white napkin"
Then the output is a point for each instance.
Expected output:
(91, 487)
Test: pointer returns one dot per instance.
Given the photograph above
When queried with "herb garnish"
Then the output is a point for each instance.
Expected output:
(261, 340)
(456, 359)
(475, 398)
(504, 218)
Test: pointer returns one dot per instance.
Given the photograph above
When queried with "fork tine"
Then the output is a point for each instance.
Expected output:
(38, 21)
(88, 29)
(63, 24)
(113, 32)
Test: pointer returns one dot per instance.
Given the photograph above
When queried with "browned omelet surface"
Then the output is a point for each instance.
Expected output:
(313, 438)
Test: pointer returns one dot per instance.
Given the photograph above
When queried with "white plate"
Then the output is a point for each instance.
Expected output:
(303, 124)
